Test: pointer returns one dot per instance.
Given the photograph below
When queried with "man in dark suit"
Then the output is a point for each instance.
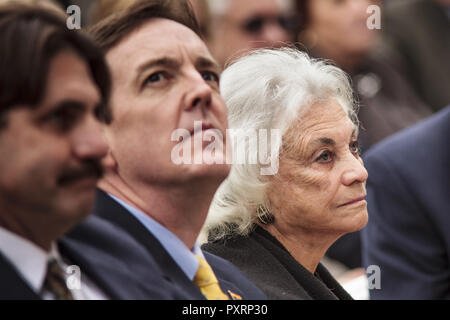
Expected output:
(408, 236)
(166, 87)
(54, 89)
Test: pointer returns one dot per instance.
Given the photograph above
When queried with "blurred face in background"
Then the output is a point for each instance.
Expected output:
(50, 154)
(250, 24)
(201, 11)
(338, 28)
(444, 2)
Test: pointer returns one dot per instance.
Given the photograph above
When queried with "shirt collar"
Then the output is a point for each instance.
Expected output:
(28, 259)
(183, 256)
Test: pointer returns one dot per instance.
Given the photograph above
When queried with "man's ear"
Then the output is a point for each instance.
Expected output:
(109, 162)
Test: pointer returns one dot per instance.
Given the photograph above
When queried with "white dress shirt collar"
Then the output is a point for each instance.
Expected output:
(183, 256)
(28, 259)
(31, 261)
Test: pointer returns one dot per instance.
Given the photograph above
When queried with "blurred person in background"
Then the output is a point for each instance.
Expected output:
(276, 228)
(239, 26)
(337, 30)
(417, 32)
(46, 4)
(203, 15)
(54, 91)
(100, 9)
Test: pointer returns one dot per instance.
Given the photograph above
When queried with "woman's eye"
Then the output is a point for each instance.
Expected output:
(325, 157)
(354, 147)
(210, 76)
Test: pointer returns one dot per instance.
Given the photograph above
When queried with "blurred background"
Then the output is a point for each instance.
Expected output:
(396, 52)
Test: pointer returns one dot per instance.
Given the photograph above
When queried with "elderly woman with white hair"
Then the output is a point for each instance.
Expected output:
(276, 228)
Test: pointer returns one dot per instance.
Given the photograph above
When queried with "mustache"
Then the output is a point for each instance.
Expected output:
(89, 169)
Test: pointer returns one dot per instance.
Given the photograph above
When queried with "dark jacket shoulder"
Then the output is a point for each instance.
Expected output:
(230, 278)
(114, 261)
(269, 265)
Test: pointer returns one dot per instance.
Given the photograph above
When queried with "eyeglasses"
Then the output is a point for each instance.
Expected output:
(256, 24)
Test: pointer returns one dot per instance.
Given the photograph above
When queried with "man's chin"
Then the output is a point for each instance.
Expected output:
(78, 207)
(213, 171)
(196, 174)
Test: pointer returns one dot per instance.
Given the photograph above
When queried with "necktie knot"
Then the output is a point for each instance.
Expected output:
(55, 281)
(207, 282)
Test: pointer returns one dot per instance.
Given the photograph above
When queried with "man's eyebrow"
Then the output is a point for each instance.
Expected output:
(45, 112)
(68, 103)
(158, 62)
(203, 62)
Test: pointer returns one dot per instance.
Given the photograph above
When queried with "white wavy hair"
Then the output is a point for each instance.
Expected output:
(267, 89)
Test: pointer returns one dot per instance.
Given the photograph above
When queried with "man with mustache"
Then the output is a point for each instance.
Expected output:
(54, 89)
(165, 79)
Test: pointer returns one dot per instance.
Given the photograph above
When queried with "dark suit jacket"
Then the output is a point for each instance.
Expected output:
(230, 278)
(408, 196)
(268, 264)
(108, 256)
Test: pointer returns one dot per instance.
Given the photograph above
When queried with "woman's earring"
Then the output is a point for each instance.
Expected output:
(264, 215)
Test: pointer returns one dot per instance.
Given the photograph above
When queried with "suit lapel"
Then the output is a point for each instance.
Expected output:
(103, 270)
(112, 211)
(12, 285)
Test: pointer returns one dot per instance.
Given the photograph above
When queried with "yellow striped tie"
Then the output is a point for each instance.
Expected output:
(207, 281)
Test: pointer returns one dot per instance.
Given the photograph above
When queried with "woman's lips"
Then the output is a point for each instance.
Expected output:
(362, 198)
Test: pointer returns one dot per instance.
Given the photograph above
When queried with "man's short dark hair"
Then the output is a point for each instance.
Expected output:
(30, 37)
(113, 29)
